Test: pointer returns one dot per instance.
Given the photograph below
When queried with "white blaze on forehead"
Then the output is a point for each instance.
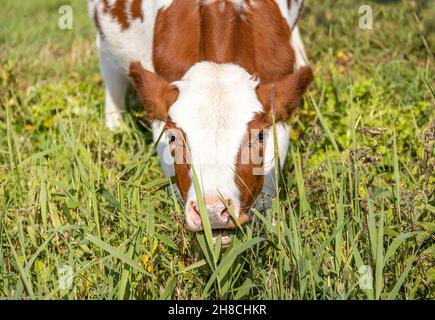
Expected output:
(215, 104)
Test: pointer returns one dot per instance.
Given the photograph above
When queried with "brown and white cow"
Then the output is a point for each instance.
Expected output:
(211, 74)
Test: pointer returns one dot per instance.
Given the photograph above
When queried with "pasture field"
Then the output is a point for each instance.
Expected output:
(84, 212)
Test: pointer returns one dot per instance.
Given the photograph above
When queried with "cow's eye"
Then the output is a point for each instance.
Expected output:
(261, 136)
(172, 139)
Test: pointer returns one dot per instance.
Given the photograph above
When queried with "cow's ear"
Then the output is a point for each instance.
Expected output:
(155, 93)
(282, 97)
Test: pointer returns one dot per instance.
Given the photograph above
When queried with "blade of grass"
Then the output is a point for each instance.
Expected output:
(116, 253)
(393, 293)
(396, 175)
(380, 257)
(203, 212)
(170, 286)
(226, 263)
(23, 274)
(324, 124)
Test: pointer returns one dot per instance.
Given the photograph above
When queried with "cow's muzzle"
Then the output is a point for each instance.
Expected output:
(219, 215)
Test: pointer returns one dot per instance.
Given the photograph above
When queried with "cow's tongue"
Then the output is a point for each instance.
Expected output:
(226, 237)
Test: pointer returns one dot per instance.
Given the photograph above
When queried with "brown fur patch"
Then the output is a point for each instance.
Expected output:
(177, 39)
(136, 10)
(187, 32)
(249, 177)
(106, 6)
(155, 93)
(219, 29)
(181, 165)
(283, 96)
(265, 42)
(119, 11)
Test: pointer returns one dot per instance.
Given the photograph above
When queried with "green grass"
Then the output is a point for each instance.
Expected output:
(357, 189)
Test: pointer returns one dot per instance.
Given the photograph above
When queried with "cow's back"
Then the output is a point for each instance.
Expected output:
(126, 28)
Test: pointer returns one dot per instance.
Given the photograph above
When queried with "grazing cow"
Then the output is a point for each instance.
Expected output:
(213, 76)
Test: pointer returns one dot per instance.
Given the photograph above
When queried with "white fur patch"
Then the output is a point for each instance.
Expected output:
(118, 48)
(299, 48)
(295, 11)
(215, 104)
(134, 43)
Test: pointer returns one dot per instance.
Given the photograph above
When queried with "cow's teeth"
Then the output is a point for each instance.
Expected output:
(226, 237)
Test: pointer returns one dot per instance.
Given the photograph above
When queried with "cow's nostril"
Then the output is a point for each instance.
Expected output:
(194, 213)
(195, 208)
(218, 212)
(225, 214)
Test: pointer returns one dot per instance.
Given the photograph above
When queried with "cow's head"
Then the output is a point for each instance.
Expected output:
(218, 120)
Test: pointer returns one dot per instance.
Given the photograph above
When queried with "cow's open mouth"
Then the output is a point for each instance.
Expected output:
(225, 237)
(224, 233)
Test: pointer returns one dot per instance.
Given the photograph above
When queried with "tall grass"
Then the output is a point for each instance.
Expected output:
(354, 215)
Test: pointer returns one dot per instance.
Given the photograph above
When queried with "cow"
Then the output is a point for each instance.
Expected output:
(218, 80)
